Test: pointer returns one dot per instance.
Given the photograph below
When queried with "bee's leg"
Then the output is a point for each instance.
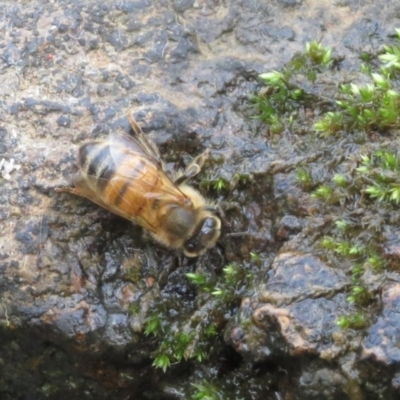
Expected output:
(67, 190)
(219, 212)
(193, 168)
(200, 159)
(74, 190)
(134, 125)
(79, 188)
(173, 262)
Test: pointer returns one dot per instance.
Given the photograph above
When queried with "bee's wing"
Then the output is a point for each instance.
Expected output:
(85, 187)
(137, 145)
(139, 194)
(146, 181)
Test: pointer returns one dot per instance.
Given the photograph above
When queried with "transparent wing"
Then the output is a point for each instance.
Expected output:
(138, 145)
(146, 183)
(127, 150)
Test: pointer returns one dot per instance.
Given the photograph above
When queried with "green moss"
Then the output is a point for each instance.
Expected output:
(374, 178)
(353, 321)
(154, 324)
(324, 192)
(391, 56)
(162, 361)
(206, 391)
(280, 101)
(192, 338)
(133, 275)
(304, 177)
(216, 184)
(380, 176)
(197, 279)
(133, 308)
(354, 107)
(318, 54)
(330, 123)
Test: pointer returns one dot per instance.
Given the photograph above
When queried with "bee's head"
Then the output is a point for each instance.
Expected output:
(192, 230)
(205, 236)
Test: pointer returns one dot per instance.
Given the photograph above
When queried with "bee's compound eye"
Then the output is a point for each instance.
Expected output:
(209, 225)
(204, 238)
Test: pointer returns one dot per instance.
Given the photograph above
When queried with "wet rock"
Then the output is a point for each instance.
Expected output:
(133, 6)
(293, 196)
(11, 55)
(396, 382)
(45, 106)
(300, 274)
(381, 341)
(72, 84)
(364, 28)
(3, 145)
(288, 225)
(290, 314)
(125, 81)
(184, 48)
(14, 108)
(211, 27)
(64, 121)
(182, 5)
(79, 284)
(284, 33)
(158, 49)
(392, 250)
(134, 26)
(118, 39)
(290, 3)
(319, 382)
(117, 333)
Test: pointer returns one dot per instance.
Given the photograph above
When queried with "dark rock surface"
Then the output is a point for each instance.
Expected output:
(77, 283)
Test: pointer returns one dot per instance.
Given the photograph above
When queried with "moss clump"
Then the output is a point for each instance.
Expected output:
(192, 338)
(281, 100)
(366, 106)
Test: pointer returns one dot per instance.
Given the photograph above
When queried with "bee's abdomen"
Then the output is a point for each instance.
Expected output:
(96, 162)
(120, 179)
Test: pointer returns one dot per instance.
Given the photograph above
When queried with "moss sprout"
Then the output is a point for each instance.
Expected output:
(391, 57)
(304, 177)
(340, 180)
(153, 324)
(206, 391)
(162, 361)
(353, 321)
(319, 54)
(323, 192)
(329, 124)
(379, 173)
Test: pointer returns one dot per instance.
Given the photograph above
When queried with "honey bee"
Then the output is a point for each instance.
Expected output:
(126, 176)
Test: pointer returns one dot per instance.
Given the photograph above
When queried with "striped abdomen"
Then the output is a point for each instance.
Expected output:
(123, 181)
